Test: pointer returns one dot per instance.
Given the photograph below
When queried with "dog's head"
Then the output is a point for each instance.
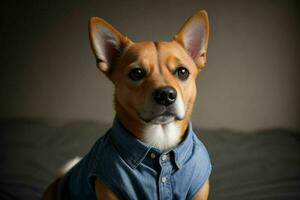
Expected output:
(154, 81)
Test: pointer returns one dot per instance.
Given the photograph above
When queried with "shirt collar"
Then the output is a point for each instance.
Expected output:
(184, 150)
(133, 151)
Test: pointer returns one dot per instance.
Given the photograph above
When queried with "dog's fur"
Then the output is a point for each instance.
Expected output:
(160, 126)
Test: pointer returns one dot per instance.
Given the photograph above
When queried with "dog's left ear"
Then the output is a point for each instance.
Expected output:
(193, 36)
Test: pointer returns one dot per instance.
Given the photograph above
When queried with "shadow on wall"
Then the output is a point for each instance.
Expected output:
(251, 80)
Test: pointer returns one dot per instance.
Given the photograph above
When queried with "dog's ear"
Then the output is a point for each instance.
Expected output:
(107, 43)
(193, 36)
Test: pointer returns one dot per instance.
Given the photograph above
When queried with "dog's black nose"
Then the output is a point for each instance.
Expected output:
(165, 95)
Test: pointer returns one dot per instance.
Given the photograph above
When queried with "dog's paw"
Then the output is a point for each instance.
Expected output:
(66, 167)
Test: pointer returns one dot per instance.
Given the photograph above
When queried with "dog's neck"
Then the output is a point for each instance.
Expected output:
(161, 136)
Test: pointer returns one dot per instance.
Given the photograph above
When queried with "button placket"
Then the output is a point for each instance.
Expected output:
(164, 179)
(164, 182)
(164, 157)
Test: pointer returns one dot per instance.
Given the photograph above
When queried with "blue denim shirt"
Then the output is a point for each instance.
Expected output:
(134, 170)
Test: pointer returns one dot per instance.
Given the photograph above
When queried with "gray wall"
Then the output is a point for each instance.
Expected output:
(251, 80)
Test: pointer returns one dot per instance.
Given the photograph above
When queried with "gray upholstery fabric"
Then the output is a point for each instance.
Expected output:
(261, 165)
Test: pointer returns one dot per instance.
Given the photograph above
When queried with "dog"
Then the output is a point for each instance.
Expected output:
(151, 151)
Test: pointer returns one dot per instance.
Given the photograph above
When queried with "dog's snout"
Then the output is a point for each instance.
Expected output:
(165, 95)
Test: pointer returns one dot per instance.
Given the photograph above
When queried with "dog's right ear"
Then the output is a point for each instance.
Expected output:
(107, 43)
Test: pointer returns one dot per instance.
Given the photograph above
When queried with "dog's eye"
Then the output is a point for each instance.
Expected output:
(182, 73)
(137, 74)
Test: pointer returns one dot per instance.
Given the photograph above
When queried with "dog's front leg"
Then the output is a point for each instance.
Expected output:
(202, 194)
(102, 191)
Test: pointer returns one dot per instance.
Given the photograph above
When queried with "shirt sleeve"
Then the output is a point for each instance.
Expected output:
(204, 169)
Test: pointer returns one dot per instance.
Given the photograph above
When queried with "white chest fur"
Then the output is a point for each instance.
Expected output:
(163, 136)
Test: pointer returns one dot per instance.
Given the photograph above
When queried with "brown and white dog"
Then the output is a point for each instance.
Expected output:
(154, 83)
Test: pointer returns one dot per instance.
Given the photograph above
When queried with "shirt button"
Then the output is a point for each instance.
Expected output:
(164, 157)
(152, 155)
(164, 179)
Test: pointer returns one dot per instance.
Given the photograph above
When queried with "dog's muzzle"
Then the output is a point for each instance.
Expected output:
(164, 106)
